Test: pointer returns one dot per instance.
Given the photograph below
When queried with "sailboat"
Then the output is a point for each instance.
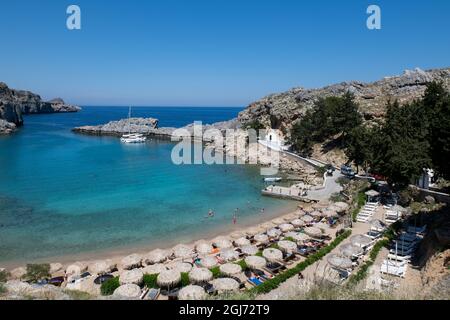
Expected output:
(132, 137)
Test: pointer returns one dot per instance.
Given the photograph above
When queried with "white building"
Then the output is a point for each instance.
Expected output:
(274, 139)
(425, 179)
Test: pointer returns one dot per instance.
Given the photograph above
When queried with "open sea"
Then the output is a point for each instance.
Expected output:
(65, 194)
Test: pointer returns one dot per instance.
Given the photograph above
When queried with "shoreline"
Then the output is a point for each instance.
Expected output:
(116, 254)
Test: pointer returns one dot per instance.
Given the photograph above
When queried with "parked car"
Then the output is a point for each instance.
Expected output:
(348, 171)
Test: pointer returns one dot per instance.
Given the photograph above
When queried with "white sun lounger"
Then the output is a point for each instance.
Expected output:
(394, 271)
(398, 258)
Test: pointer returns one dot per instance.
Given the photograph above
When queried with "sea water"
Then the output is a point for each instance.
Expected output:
(65, 194)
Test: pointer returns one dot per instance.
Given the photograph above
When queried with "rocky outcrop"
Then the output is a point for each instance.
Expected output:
(117, 128)
(280, 111)
(14, 103)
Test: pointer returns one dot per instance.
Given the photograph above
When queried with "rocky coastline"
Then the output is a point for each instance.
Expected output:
(16, 103)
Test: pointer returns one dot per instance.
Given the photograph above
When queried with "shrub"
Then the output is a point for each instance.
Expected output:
(290, 239)
(108, 287)
(243, 264)
(78, 295)
(185, 279)
(4, 276)
(36, 272)
(273, 283)
(150, 280)
(216, 272)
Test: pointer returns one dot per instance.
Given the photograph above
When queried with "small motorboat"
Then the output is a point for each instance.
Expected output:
(273, 179)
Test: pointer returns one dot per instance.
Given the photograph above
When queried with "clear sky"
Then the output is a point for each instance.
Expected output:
(211, 52)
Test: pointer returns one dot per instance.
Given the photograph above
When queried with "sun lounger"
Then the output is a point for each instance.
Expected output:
(255, 281)
(394, 271)
(374, 234)
(394, 263)
(394, 257)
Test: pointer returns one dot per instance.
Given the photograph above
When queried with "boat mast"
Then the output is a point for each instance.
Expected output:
(129, 120)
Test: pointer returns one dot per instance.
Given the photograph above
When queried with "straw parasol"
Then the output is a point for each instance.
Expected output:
(135, 276)
(192, 292)
(313, 232)
(129, 291)
(321, 225)
(316, 214)
(307, 219)
(249, 250)
(253, 231)
(208, 262)
(225, 284)
(330, 213)
(372, 193)
(54, 268)
(168, 278)
(229, 254)
(268, 225)
(289, 217)
(272, 254)
(237, 235)
(203, 247)
(255, 262)
(273, 233)
(298, 223)
(132, 261)
(339, 262)
(342, 205)
(278, 221)
(156, 256)
(102, 267)
(199, 275)
(360, 240)
(180, 266)
(222, 242)
(261, 238)
(154, 269)
(300, 237)
(287, 246)
(286, 227)
(242, 242)
(182, 251)
(73, 269)
(230, 269)
(349, 250)
(377, 224)
(300, 213)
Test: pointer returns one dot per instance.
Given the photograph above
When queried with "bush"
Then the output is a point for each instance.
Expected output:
(273, 283)
(36, 272)
(150, 280)
(243, 264)
(4, 276)
(185, 279)
(216, 272)
(290, 239)
(108, 287)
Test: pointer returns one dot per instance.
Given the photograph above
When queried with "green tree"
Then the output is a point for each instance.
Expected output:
(36, 272)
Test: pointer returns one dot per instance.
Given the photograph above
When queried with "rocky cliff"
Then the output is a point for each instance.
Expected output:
(14, 103)
(280, 111)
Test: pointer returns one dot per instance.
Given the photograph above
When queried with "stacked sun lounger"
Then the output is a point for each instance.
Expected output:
(367, 212)
(401, 251)
(391, 216)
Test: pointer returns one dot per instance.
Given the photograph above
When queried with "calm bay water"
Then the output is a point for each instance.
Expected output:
(66, 194)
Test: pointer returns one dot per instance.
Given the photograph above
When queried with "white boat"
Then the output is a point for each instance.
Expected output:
(132, 137)
(272, 179)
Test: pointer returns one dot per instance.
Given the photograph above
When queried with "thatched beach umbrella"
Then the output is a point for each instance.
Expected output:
(300, 213)
(253, 231)
(349, 250)
(75, 269)
(132, 261)
(242, 242)
(274, 233)
(360, 240)
(54, 268)
(128, 291)
(339, 262)
(255, 262)
(230, 269)
(330, 213)
(182, 251)
(261, 238)
(316, 214)
(278, 221)
(222, 243)
(199, 275)
(377, 224)
(286, 227)
(297, 223)
(287, 246)
(307, 219)
(342, 205)
(267, 225)
(272, 254)
(289, 217)
(203, 247)
(237, 235)
(156, 256)
(154, 269)
(192, 292)
(135, 276)
(229, 254)
(102, 267)
(225, 284)
(322, 226)
(249, 250)
(180, 266)
(169, 278)
(313, 232)
(208, 262)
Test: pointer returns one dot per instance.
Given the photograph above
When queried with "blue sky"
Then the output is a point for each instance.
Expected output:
(211, 52)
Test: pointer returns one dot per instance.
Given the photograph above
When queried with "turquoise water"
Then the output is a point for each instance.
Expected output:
(64, 194)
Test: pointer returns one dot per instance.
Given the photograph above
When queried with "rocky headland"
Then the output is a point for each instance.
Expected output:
(15, 103)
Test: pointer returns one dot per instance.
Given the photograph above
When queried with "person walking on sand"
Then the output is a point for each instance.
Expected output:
(234, 219)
